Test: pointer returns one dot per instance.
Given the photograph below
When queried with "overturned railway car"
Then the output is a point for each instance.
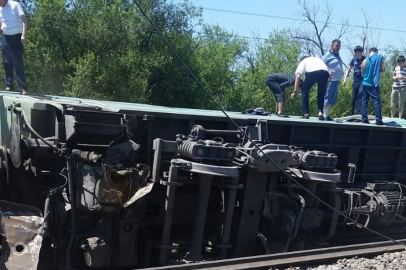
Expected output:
(88, 184)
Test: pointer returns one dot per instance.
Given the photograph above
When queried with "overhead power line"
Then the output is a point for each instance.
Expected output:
(388, 50)
(293, 19)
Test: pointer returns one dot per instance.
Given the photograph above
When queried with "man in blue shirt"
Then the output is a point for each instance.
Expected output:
(355, 64)
(334, 63)
(371, 69)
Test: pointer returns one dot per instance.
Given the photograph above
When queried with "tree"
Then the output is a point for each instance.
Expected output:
(277, 54)
(220, 74)
(313, 41)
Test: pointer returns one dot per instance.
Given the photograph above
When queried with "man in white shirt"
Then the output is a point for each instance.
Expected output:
(316, 71)
(14, 29)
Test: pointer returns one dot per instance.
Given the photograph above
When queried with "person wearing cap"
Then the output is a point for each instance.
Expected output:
(335, 65)
(371, 69)
(316, 71)
(13, 24)
(398, 87)
(277, 83)
(355, 64)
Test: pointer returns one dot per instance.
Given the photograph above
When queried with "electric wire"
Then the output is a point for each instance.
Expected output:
(292, 19)
(242, 131)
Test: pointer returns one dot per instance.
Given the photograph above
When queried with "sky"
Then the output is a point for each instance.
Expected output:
(386, 15)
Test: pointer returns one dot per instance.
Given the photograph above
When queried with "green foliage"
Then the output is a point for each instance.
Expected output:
(106, 49)
(275, 55)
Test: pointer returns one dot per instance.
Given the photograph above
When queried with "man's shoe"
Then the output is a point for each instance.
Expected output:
(321, 117)
(281, 114)
(365, 121)
(379, 123)
(8, 88)
(329, 118)
(23, 92)
(305, 116)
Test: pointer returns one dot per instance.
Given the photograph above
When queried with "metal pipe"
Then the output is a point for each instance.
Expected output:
(169, 207)
(301, 211)
(149, 119)
(68, 158)
(215, 131)
(200, 218)
(334, 219)
(228, 218)
(46, 213)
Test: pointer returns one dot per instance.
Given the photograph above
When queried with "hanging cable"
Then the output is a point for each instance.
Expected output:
(242, 131)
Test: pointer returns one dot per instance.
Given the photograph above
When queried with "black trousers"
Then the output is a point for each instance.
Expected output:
(276, 89)
(356, 97)
(321, 78)
(12, 50)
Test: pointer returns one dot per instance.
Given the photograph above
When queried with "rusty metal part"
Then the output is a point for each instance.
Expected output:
(280, 221)
(296, 258)
(88, 156)
(21, 242)
(15, 145)
(104, 188)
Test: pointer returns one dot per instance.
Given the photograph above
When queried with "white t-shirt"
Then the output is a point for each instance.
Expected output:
(311, 64)
(10, 18)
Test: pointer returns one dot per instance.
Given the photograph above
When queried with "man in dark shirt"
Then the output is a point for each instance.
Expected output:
(355, 64)
(278, 82)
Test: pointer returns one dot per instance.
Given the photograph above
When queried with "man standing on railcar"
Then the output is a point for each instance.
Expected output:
(14, 31)
(355, 64)
(316, 71)
(335, 65)
(371, 69)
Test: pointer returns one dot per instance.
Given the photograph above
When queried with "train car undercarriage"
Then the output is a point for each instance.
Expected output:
(85, 188)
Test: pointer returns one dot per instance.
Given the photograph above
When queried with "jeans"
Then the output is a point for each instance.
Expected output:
(321, 78)
(331, 95)
(356, 97)
(373, 92)
(12, 50)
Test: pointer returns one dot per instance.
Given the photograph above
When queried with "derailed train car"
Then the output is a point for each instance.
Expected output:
(94, 184)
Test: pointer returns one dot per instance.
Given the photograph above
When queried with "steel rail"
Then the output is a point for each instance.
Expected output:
(295, 258)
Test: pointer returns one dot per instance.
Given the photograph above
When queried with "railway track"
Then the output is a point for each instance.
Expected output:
(296, 258)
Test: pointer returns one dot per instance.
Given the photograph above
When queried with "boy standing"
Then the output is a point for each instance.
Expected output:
(355, 64)
(398, 88)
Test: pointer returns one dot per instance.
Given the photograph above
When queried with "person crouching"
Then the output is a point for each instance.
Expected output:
(277, 83)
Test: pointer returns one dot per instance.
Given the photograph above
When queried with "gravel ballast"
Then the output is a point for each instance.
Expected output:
(388, 261)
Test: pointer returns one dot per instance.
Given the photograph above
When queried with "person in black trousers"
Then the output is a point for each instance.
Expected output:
(277, 83)
(13, 25)
(316, 71)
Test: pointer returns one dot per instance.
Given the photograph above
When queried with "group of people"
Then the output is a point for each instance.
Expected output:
(328, 72)
(13, 30)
